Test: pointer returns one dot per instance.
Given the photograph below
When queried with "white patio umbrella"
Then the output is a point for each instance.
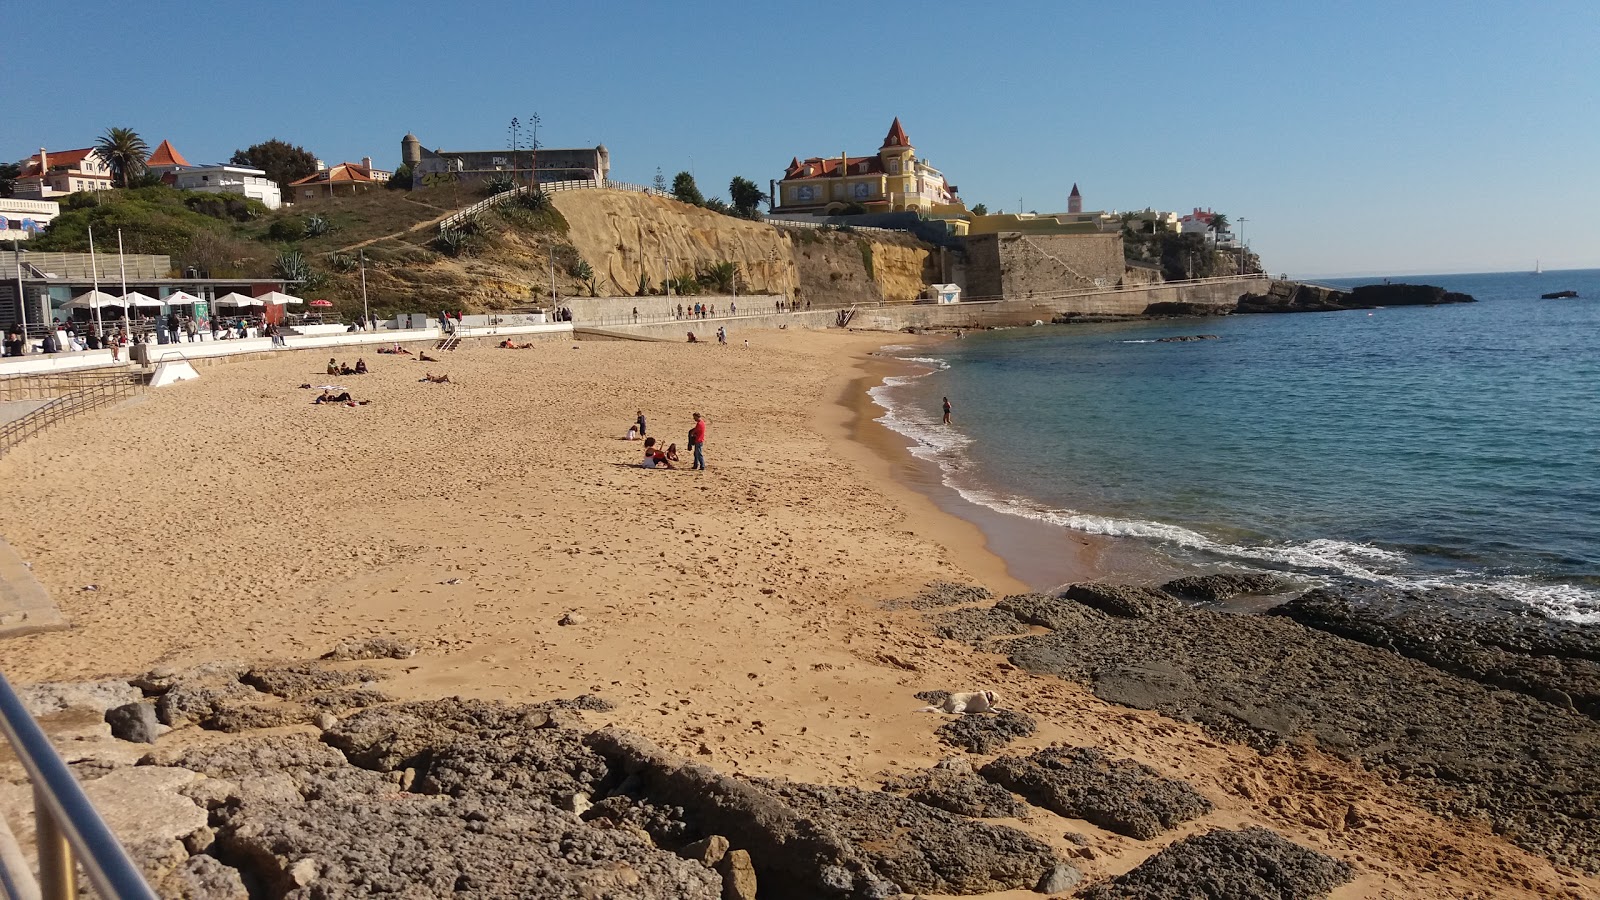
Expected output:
(279, 298)
(134, 298)
(93, 300)
(179, 298)
(238, 300)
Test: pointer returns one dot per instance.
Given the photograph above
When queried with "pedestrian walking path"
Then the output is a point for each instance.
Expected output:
(25, 606)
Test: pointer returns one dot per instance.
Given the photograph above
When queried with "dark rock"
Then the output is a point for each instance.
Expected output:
(134, 722)
(1120, 600)
(1187, 338)
(982, 733)
(1493, 640)
(237, 717)
(940, 594)
(202, 877)
(250, 756)
(296, 681)
(546, 763)
(1461, 747)
(195, 699)
(1252, 864)
(390, 738)
(976, 624)
(917, 847)
(370, 648)
(1289, 296)
(958, 790)
(1217, 588)
(1183, 308)
(1047, 610)
(810, 841)
(1084, 783)
(1369, 295)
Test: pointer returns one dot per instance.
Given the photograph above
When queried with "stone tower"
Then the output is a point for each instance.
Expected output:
(1074, 201)
(410, 150)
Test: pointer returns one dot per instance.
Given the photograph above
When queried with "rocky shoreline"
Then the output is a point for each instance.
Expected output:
(306, 781)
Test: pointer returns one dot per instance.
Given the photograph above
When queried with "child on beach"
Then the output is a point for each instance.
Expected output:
(653, 457)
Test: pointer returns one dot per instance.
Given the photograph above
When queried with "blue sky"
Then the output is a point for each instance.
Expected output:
(1354, 138)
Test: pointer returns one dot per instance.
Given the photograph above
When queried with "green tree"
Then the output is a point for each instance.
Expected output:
(1219, 224)
(746, 197)
(283, 162)
(9, 173)
(660, 183)
(685, 190)
(400, 180)
(125, 152)
(980, 209)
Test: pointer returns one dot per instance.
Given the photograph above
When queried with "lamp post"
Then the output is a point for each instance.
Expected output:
(94, 279)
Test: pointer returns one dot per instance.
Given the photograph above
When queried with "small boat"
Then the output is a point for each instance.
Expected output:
(1537, 269)
(1558, 295)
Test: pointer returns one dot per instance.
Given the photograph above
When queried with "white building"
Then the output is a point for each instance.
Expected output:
(22, 219)
(61, 172)
(252, 183)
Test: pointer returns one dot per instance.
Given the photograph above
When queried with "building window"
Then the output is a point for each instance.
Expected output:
(894, 166)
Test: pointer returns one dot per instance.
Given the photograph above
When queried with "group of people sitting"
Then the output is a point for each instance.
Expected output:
(655, 457)
(328, 396)
(338, 368)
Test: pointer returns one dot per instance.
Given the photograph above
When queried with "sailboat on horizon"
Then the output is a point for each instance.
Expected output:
(1537, 269)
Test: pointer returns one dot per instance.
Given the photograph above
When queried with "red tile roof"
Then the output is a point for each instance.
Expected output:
(56, 158)
(897, 135)
(828, 167)
(166, 155)
(345, 172)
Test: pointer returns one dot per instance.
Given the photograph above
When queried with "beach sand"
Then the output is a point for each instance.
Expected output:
(734, 615)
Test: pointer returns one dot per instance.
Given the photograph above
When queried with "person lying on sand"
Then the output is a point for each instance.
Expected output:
(330, 397)
(435, 379)
(653, 457)
(424, 357)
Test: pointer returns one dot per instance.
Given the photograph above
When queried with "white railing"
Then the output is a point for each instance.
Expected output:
(796, 223)
(547, 187)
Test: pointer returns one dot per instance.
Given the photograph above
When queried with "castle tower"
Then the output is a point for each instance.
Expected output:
(1074, 200)
(899, 162)
(410, 150)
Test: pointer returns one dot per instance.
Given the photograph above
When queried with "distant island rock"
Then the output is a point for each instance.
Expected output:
(1289, 296)
(1187, 337)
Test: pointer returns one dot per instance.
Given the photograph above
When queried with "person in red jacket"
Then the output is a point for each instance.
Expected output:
(697, 440)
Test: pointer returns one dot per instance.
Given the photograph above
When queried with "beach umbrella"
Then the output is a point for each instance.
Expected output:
(93, 300)
(134, 298)
(279, 298)
(179, 298)
(320, 303)
(238, 300)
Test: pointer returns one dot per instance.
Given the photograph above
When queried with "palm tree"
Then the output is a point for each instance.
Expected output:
(124, 151)
(1219, 224)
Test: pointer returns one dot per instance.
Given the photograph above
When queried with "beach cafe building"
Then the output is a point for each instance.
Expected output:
(39, 288)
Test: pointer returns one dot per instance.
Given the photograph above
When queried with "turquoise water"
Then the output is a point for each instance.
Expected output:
(1447, 445)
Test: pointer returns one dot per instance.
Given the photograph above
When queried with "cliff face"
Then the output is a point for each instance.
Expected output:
(622, 234)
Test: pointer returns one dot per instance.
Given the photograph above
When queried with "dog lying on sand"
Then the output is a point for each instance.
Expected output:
(961, 704)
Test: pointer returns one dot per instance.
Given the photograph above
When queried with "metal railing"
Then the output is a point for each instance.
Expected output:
(66, 395)
(70, 832)
(545, 187)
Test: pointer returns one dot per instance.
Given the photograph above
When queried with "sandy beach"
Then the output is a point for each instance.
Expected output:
(735, 616)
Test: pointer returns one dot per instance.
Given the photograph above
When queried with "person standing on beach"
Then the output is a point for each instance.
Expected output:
(947, 410)
(697, 440)
(640, 422)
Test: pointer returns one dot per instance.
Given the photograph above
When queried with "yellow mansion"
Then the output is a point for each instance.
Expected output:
(893, 180)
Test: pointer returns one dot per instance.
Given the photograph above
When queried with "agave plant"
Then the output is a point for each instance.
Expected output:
(536, 201)
(719, 277)
(342, 262)
(499, 184)
(452, 241)
(293, 267)
(316, 226)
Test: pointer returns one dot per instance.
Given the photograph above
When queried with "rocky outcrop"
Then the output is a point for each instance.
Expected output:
(1184, 339)
(953, 786)
(1462, 747)
(1372, 295)
(1493, 640)
(1084, 783)
(1251, 864)
(1120, 600)
(1289, 296)
(986, 733)
(973, 623)
(1222, 587)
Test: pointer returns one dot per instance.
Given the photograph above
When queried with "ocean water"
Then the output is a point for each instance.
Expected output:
(1452, 445)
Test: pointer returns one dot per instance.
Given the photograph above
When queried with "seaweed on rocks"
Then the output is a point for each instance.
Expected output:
(1462, 747)
(982, 733)
(1118, 795)
(1493, 640)
(1250, 864)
